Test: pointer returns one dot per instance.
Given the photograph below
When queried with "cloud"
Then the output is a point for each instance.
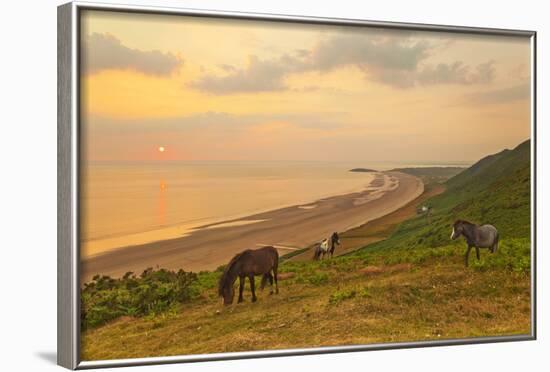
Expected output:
(500, 96)
(215, 136)
(200, 121)
(520, 72)
(105, 52)
(391, 53)
(395, 61)
(258, 76)
(227, 122)
(457, 73)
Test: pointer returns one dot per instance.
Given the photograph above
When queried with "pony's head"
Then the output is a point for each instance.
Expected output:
(458, 229)
(336, 238)
(225, 285)
(227, 293)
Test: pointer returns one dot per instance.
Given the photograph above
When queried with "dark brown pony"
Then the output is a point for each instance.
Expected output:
(249, 263)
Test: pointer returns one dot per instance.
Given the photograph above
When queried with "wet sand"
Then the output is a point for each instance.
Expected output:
(287, 229)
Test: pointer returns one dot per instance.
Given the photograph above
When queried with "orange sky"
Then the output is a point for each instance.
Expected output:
(212, 89)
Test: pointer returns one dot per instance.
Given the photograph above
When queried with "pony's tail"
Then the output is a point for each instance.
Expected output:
(316, 253)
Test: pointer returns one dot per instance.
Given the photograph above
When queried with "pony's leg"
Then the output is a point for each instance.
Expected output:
(265, 278)
(252, 288)
(275, 277)
(270, 283)
(467, 255)
(477, 253)
(241, 287)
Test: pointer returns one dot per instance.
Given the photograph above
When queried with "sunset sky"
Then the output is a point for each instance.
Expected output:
(213, 89)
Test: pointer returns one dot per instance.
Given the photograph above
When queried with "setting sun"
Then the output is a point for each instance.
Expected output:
(161, 149)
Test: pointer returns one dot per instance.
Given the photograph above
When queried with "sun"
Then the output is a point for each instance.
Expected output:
(161, 149)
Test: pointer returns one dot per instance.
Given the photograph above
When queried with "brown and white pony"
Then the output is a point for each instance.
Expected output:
(326, 246)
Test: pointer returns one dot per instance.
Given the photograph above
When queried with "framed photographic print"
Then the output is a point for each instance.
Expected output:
(236, 185)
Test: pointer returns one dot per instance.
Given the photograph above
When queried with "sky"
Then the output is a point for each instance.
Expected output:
(243, 90)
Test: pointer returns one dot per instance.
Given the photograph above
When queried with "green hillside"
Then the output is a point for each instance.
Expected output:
(494, 190)
(486, 170)
(411, 286)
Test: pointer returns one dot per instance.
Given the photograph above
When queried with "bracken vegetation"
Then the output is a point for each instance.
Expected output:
(153, 292)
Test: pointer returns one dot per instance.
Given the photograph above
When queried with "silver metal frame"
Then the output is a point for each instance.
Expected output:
(68, 258)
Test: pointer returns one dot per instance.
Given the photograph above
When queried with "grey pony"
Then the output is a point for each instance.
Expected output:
(484, 236)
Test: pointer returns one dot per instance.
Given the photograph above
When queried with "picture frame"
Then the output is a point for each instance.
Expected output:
(69, 182)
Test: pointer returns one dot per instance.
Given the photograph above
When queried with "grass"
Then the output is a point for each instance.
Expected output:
(406, 282)
(431, 297)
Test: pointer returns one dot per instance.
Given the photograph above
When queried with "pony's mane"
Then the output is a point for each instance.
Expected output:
(224, 277)
(464, 222)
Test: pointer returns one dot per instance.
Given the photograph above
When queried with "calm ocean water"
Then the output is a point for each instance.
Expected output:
(125, 204)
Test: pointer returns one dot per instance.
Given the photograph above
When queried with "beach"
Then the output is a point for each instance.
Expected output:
(288, 229)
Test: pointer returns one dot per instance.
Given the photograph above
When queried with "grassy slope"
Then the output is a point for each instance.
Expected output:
(411, 286)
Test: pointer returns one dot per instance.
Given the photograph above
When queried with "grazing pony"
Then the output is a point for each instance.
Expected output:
(262, 261)
(327, 246)
(485, 236)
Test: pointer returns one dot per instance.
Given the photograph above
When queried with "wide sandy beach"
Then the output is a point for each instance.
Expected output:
(296, 227)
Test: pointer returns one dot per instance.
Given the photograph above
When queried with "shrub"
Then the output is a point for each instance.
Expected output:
(106, 298)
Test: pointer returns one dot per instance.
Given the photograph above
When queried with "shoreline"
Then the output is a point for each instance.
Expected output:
(288, 228)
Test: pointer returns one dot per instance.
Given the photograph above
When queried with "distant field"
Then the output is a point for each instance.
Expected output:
(408, 285)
